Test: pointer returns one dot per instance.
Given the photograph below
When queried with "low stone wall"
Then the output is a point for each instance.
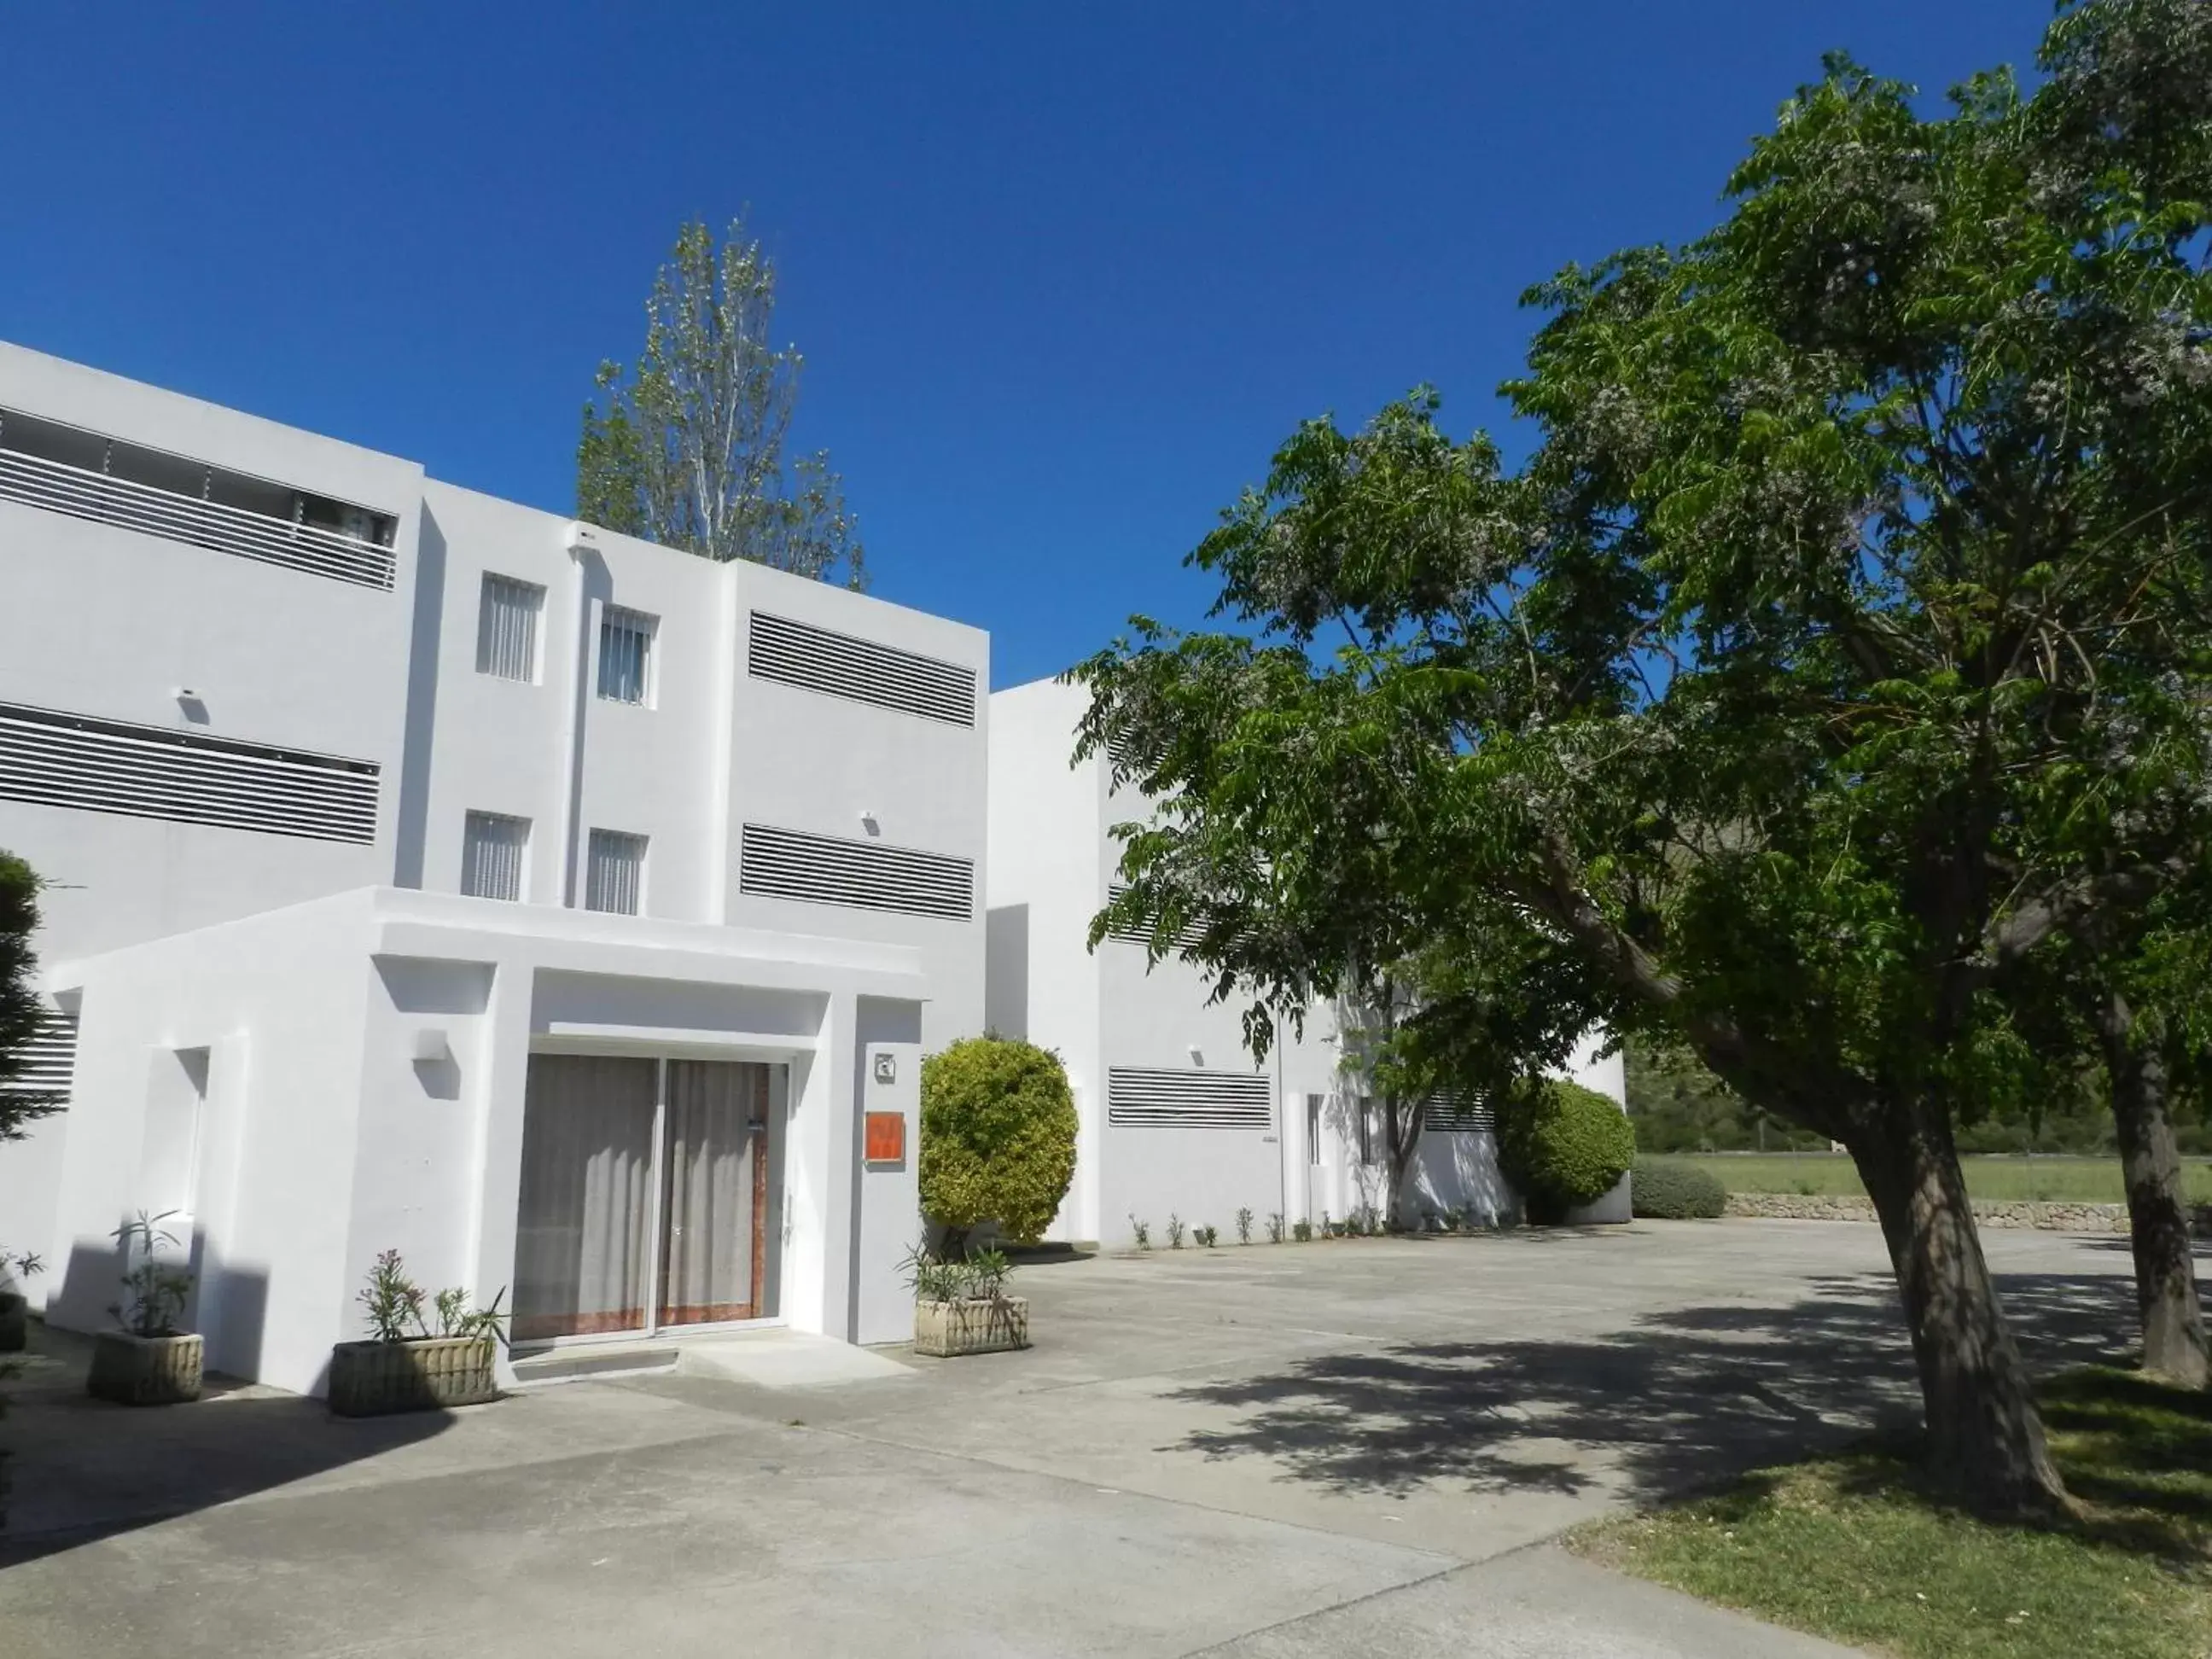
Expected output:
(2052, 1218)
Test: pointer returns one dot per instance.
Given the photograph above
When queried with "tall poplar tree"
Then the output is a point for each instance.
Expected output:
(688, 445)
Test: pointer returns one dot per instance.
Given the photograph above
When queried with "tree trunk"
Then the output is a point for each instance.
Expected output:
(1404, 1119)
(2173, 1345)
(1984, 1435)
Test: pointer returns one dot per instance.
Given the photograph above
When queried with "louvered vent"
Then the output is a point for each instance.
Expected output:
(46, 1062)
(864, 874)
(1456, 1112)
(86, 475)
(1137, 1098)
(1184, 940)
(152, 772)
(799, 653)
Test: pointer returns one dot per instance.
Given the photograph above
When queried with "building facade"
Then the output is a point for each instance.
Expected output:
(1177, 1120)
(430, 872)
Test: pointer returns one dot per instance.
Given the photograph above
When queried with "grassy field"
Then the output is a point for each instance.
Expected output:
(1854, 1548)
(2077, 1179)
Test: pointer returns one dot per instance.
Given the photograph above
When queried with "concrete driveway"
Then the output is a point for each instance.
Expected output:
(1332, 1449)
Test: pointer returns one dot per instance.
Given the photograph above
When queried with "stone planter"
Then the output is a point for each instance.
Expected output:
(144, 1371)
(949, 1329)
(427, 1373)
(14, 1322)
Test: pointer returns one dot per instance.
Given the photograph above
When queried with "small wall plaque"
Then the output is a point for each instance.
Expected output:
(883, 1138)
(887, 1068)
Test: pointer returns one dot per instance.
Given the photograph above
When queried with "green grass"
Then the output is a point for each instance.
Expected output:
(1856, 1549)
(2070, 1180)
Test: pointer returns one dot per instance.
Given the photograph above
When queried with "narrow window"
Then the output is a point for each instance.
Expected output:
(506, 628)
(1370, 1123)
(493, 849)
(626, 655)
(1314, 1103)
(614, 876)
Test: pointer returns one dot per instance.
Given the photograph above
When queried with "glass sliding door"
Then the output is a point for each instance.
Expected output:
(585, 1224)
(713, 1192)
(645, 1195)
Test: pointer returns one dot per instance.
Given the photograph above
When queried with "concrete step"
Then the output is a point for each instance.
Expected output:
(583, 1365)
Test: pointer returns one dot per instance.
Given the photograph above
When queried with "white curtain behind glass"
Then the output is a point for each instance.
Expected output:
(581, 1237)
(708, 1272)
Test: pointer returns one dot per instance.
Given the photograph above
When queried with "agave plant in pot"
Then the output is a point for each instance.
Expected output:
(404, 1365)
(961, 1305)
(148, 1361)
(15, 1268)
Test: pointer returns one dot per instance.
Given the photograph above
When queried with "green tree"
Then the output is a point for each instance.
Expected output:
(21, 1009)
(1842, 642)
(2124, 994)
(688, 448)
(998, 1138)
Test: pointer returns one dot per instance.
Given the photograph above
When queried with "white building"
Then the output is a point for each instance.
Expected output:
(430, 872)
(1176, 1118)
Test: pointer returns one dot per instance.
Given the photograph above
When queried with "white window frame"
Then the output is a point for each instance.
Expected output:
(527, 596)
(593, 843)
(645, 628)
(469, 839)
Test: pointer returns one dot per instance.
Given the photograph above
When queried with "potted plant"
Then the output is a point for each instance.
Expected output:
(961, 1305)
(405, 1366)
(148, 1362)
(15, 1266)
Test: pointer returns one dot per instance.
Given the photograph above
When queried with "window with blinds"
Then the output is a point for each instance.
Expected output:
(626, 655)
(866, 875)
(613, 873)
(1456, 1112)
(93, 765)
(45, 1064)
(495, 849)
(1139, 1098)
(506, 628)
(844, 666)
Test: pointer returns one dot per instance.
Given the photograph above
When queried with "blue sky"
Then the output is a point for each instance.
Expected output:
(1064, 275)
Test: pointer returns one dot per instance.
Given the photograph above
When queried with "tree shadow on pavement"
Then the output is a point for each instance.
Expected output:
(76, 1469)
(1683, 1399)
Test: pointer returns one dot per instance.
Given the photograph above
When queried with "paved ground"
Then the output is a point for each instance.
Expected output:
(1333, 1450)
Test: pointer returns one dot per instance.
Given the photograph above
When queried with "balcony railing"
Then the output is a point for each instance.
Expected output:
(60, 487)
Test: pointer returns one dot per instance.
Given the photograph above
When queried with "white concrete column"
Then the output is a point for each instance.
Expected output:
(501, 1076)
(822, 1166)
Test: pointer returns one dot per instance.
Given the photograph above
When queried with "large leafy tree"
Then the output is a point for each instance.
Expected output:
(1844, 642)
(688, 448)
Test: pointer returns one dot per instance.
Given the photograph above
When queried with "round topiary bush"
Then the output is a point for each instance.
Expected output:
(1562, 1145)
(1669, 1191)
(998, 1137)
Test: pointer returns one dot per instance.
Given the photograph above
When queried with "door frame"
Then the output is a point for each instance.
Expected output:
(776, 1146)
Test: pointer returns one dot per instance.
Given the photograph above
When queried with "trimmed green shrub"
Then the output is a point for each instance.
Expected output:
(1561, 1144)
(1669, 1191)
(998, 1137)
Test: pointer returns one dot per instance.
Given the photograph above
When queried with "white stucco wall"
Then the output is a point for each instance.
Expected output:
(1053, 860)
(1048, 879)
(326, 1136)
(111, 622)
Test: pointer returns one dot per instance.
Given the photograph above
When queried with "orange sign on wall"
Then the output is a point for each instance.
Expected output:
(884, 1137)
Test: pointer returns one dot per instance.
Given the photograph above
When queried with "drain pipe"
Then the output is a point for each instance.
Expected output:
(583, 550)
